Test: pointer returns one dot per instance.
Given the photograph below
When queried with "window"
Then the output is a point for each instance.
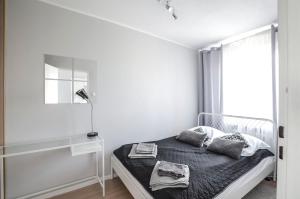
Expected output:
(64, 76)
(247, 77)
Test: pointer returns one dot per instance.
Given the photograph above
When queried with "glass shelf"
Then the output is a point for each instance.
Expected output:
(48, 145)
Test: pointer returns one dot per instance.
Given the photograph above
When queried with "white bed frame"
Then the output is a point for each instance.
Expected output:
(257, 127)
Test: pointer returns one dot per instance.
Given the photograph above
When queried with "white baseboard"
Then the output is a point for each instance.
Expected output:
(62, 189)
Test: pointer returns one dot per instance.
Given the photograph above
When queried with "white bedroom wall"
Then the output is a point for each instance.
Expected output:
(147, 90)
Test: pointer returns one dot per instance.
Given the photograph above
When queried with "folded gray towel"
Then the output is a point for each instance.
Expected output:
(171, 169)
(133, 153)
(160, 182)
(145, 148)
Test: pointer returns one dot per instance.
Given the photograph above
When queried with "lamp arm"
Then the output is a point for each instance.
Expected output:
(92, 109)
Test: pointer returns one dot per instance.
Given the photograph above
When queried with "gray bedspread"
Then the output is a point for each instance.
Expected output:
(210, 173)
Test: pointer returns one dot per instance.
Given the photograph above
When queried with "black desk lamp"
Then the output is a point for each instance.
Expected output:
(82, 93)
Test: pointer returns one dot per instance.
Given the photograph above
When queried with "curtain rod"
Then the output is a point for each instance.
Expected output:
(239, 37)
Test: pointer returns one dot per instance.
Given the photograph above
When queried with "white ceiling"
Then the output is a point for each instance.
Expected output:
(200, 22)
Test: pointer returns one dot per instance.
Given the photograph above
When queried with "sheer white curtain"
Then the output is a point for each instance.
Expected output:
(247, 77)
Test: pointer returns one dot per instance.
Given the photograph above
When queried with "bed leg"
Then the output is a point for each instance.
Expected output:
(112, 173)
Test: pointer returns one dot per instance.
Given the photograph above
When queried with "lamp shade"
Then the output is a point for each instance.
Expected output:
(82, 93)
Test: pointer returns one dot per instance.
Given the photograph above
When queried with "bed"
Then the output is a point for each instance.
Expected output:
(212, 175)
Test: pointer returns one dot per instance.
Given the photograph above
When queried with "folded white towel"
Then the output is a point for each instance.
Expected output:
(133, 153)
(145, 148)
(160, 182)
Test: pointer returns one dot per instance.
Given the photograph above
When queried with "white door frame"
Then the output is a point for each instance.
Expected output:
(289, 116)
(283, 93)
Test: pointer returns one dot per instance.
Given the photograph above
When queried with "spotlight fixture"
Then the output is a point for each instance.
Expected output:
(174, 16)
(169, 8)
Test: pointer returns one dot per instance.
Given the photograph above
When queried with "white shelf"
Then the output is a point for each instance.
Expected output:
(48, 145)
(78, 144)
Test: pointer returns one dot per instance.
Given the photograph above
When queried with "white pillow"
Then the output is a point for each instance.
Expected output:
(254, 145)
(211, 132)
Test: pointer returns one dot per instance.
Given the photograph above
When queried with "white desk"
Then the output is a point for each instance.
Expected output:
(78, 145)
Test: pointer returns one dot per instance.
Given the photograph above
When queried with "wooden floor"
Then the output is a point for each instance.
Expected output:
(115, 189)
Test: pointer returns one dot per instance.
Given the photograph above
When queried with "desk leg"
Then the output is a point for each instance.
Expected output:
(101, 180)
(97, 164)
(103, 170)
(2, 178)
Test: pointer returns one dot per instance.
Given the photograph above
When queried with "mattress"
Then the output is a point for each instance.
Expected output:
(211, 174)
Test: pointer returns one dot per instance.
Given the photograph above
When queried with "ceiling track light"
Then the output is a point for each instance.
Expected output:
(169, 8)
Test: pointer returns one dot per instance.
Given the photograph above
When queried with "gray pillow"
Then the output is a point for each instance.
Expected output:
(231, 148)
(237, 137)
(192, 137)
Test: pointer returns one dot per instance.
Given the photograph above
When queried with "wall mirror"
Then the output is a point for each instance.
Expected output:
(66, 75)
